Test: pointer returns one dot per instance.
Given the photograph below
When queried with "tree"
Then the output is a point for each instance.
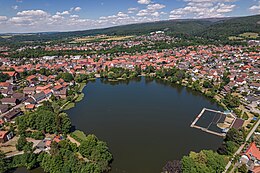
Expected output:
(225, 78)
(231, 101)
(97, 151)
(67, 77)
(21, 143)
(2, 162)
(207, 84)
(235, 135)
(227, 148)
(3, 77)
(206, 161)
(65, 125)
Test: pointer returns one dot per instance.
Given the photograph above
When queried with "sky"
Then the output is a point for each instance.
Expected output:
(24, 16)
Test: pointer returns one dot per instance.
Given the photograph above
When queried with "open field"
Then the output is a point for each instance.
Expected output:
(118, 38)
(249, 35)
(9, 146)
(102, 38)
(6, 36)
(235, 38)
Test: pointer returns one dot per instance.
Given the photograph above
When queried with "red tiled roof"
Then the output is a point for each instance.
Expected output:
(3, 133)
(48, 143)
(2, 121)
(253, 151)
(4, 84)
(256, 169)
(30, 106)
(10, 73)
(56, 139)
(30, 77)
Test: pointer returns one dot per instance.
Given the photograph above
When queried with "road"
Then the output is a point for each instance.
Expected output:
(243, 145)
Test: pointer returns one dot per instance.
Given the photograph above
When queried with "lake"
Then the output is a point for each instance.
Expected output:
(145, 122)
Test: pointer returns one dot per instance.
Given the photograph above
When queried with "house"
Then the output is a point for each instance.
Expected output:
(38, 97)
(32, 79)
(30, 106)
(19, 96)
(238, 123)
(29, 90)
(13, 76)
(5, 136)
(9, 101)
(29, 101)
(12, 114)
(44, 145)
(1, 123)
(6, 85)
(253, 99)
(6, 92)
(57, 138)
(251, 157)
(60, 93)
(48, 93)
(3, 108)
(255, 86)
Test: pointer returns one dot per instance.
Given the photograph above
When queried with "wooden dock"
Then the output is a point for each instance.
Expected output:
(209, 131)
(202, 128)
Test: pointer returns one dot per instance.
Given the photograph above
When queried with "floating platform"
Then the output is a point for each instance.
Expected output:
(217, 117)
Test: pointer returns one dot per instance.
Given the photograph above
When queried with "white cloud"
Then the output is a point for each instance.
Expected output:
(132, 10)
(32, 13)
(203, 9)
(56, 16)
(151, 10)
(154, 7)
(63, 13)
(74, 16)
(15, 7)
(144, 1)
(77, 9)
(3, 18)
(255, 8)
(121, 14)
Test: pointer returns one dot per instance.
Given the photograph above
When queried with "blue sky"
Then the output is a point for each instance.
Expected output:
(68, 15)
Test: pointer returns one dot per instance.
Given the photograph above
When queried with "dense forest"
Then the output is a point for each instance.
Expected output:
(215, 28)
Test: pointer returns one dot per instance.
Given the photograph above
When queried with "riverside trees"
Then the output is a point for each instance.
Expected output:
(91, 156)
(45, 120)
(206, 161)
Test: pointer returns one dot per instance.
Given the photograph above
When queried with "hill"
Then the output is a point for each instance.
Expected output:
(216, 28)
(231, 27)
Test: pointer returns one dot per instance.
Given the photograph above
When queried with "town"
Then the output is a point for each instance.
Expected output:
(229, 75)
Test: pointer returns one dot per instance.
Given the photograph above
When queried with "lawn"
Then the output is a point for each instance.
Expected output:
(78, 135)
(80, 97)
(82, 86)
(69, 106)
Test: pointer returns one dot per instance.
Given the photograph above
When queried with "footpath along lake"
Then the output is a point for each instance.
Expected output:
(145, 123)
